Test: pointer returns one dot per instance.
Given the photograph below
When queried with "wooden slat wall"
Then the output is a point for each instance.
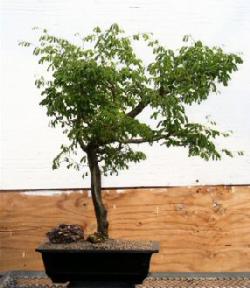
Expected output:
(199, 228)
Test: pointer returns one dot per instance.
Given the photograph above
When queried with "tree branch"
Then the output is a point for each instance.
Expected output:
(137, 110)
(79, 140)
(83, 147)
(142, 140)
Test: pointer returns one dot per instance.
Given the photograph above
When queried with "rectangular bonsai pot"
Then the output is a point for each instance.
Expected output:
(128, 265)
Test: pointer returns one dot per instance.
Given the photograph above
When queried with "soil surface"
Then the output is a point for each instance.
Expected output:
(109, 244)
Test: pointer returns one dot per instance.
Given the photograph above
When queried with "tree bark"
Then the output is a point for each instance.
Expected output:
(100, 210)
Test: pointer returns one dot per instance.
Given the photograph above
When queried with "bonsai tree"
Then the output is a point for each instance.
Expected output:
(97, 89)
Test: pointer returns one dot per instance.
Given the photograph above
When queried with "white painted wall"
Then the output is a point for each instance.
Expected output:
(28, 145)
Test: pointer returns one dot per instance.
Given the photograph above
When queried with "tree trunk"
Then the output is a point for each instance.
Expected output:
(100, 210)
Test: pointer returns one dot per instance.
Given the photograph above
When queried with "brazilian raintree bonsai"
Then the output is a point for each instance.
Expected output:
(98, 86)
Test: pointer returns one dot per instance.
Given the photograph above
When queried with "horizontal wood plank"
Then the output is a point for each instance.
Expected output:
(199, 228)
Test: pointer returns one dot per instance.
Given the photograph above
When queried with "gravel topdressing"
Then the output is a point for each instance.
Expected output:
(110, 244)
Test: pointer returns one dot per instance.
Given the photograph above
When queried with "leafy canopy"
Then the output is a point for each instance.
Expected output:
(100, 86)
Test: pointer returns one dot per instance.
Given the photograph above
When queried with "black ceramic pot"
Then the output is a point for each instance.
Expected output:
(130, 266)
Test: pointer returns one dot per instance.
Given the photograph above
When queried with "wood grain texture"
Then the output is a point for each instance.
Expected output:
(199, 228)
